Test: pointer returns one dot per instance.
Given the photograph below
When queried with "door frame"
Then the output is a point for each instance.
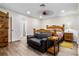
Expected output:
(10, 29)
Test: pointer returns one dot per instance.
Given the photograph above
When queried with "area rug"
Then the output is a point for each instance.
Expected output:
(67, 44)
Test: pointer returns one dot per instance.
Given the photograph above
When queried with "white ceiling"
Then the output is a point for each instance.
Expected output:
(35, 8)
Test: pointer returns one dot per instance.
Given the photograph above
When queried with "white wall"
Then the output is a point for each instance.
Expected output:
(60, 21)
(32, 23)
(78, 33)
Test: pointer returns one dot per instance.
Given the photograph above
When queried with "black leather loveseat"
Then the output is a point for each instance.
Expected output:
(38, 41)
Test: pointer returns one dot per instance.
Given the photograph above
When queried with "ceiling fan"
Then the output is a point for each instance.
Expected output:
(45, 11)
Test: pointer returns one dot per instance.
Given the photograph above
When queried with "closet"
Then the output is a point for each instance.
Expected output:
(4, 17)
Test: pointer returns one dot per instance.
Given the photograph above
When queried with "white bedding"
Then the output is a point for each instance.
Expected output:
(59, 34)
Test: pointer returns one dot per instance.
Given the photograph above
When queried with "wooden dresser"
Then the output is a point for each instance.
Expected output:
(68, 37)
(3, 29)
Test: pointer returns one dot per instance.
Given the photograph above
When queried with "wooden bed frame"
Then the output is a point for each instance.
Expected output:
(50, 27)
(54, 27)
(40, 30)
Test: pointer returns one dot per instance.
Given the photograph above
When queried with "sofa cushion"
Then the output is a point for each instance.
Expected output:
(37, 35)
(42, 35)
(36, 41)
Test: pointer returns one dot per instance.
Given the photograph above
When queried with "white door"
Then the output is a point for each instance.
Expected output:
(16, 31)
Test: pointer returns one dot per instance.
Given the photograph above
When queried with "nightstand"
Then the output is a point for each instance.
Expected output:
(68, 37)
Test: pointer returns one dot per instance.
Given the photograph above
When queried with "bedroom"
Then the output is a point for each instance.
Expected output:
(23, 20)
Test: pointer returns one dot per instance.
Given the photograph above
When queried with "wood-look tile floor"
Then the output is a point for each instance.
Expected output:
(20, 48)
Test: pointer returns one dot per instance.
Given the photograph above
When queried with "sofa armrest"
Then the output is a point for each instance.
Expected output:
(44, 43)
(30, 36)
(44, 39)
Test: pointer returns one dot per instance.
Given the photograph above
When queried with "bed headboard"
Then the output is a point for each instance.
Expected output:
(55, 27)
(40, 30)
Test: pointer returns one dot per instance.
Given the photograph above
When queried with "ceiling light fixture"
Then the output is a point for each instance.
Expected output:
(62, 11)
(42, 5)
(28, 12)
(40, 17)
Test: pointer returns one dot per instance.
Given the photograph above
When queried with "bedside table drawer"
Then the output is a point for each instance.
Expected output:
(68, 36)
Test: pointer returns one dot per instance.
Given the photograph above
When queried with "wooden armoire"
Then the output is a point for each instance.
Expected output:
(4, 17)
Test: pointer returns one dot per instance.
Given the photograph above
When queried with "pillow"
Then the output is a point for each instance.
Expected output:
(51, 29)
(59, 34)
(57, 29)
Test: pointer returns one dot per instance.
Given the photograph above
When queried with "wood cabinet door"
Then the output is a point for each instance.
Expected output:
(3, 29)
(68, 37)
